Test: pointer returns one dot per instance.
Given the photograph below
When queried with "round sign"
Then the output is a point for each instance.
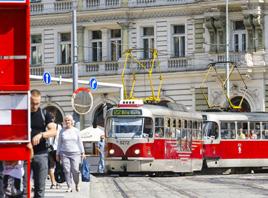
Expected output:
(82, 100)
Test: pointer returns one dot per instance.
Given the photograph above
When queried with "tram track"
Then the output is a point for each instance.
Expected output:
(179, 191)
(119, 188)
(233, 181)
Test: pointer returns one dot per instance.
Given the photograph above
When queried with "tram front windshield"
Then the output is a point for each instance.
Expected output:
(126, 127)
(210, 130)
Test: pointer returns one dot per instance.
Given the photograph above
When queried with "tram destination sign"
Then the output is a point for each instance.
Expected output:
(127, 112)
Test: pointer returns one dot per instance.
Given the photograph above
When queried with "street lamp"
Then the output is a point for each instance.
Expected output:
(227, 50)
(75, 60)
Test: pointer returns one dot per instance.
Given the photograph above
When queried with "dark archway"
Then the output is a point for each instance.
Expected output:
(245, 107)
(54, 110)
(99, 114)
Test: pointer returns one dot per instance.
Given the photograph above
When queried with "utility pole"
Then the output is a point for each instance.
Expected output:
(227, 50)
(75, 60)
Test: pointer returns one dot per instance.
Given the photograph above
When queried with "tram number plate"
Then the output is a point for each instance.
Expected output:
(124, 142)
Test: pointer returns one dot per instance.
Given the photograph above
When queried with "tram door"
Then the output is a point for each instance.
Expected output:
(211, 139)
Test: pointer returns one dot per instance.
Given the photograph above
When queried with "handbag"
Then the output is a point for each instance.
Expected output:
(85, 171)
(59, 174)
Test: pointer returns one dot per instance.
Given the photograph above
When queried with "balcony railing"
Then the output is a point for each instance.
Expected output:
(90, 4)
(60, 6)
(37, 8)
(37, 70)
(179, 63)
(141, 3)
(63, 70)
(42, 7)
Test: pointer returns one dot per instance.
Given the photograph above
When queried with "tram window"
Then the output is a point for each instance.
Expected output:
(125, 127)
(179, 124)
(210, 130)
(199, 130)
(194, 133)
(168, 128)
(183, 139)
(265, 130)
(189, 135)
(254, 131)
(159, 127)
(242, 130)
(178, 129)
(148, 127)
(173, 129)
(228, 130)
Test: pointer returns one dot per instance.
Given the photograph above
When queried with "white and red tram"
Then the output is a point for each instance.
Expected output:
(152, 138)
(235, 140)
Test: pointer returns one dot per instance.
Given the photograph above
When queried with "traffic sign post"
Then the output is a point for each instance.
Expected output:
(93, 84)
(47, 78)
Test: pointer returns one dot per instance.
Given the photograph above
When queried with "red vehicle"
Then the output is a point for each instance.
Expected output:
(235, 140)
(152, 138)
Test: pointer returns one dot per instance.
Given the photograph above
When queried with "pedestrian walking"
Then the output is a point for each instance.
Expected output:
(42, 128)
(70, 150)
(101, 148)
(13, 173)
(53, 144)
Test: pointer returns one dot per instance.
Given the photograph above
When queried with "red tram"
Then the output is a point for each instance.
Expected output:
(152, 138)
(235, 140)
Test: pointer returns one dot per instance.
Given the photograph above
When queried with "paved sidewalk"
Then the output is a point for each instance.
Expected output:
(60, 193)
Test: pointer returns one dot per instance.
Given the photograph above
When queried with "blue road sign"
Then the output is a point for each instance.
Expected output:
(47, 78)
(93, 83)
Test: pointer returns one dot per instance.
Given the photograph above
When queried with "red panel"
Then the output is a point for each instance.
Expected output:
(145, 150)
(197, 149)
(14, 41)
(19, 128)
(238, 149)
(13, 75)
(118, 152)
(14, 152)
(13, 32)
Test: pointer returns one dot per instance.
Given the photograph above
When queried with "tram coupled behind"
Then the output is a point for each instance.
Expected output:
(151, 138)
(235, 140)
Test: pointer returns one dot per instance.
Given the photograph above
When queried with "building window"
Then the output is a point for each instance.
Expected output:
(148, 41)
(36, 49)
(96, 46)
(65, 48)
(178, 40)
(239, 36)
(115, 44)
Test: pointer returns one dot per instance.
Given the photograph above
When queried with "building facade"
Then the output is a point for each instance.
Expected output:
(188, 34)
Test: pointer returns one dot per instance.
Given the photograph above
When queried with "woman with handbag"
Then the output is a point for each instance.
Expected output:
(70, 150)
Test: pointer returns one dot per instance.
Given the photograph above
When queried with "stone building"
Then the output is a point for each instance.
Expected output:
(188, 34)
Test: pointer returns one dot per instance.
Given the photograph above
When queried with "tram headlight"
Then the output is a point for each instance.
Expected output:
(111, 151)
(137, 151)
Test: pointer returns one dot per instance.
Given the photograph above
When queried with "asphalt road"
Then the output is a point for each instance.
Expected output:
(214, 186)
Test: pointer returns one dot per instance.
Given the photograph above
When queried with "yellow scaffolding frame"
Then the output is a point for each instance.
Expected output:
(212, 67)
(153, 97)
